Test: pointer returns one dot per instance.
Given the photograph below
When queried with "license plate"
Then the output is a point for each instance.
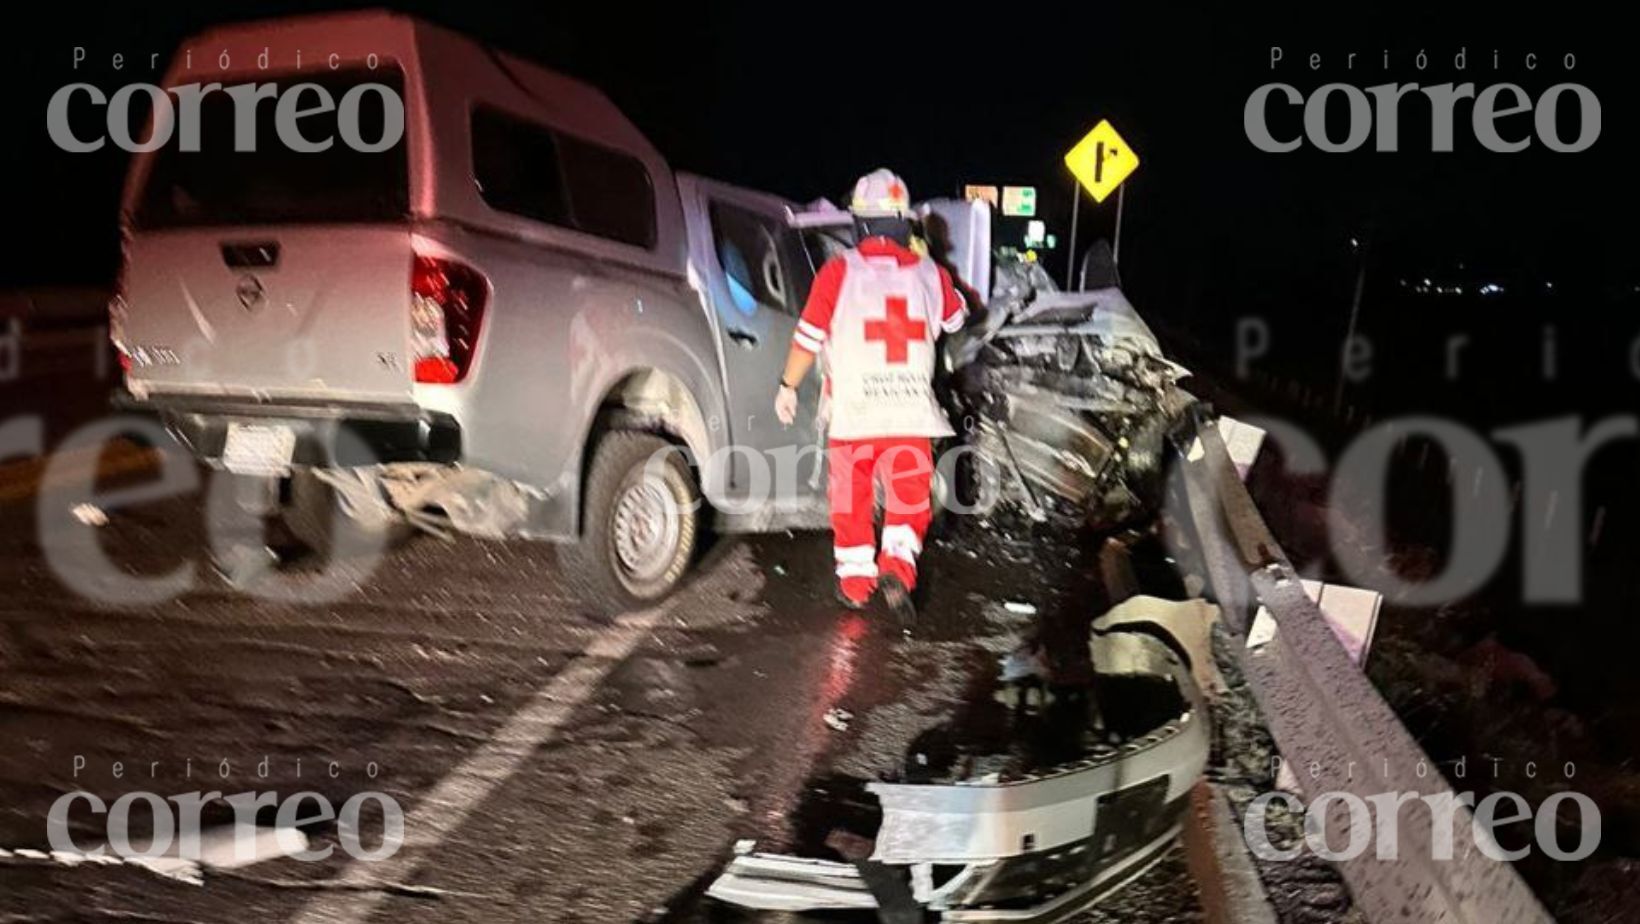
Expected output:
(258, 449)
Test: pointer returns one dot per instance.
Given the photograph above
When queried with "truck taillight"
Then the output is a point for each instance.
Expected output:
(446, 310)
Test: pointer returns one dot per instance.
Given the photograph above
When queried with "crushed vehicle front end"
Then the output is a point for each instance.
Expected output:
(1072, 401)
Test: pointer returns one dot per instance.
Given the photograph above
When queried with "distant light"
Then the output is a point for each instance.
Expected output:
(1019, 201)
(1491, 288)
(1036, 233)
(1426, 281)
(1354, 242)
(1549, 285)
(973, 192)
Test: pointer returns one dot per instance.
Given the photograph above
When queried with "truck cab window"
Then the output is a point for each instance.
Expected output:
(748, 249)
(557, 179)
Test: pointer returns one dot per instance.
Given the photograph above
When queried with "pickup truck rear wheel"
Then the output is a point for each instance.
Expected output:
(640, 527)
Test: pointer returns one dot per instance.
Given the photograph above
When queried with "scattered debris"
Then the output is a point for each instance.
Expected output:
(1059, 797)
(775, 883)
(1190, 622)
(992, 837)
(221, 848)
(75, 858)
(1027, 662)
(171, 868)
(217, 848)
(90, 515)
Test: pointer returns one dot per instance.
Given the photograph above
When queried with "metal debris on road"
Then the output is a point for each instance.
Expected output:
(217, 848)
(1019, 608)
(90, 515)
(1031, 836)
(222, 848)
(780, 883)
(1027, 662)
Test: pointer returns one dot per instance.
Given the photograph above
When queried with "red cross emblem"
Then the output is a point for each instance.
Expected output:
(896, 330)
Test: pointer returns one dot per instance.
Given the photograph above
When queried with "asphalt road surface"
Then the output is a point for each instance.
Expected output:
(551, 765)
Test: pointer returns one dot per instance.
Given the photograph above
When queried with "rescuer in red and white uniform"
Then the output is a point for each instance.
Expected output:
(876, 312)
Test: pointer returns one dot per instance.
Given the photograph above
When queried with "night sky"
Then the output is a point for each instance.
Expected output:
(758, 95)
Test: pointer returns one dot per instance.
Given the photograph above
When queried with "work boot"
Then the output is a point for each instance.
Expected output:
(855, 592)
(898, 598)
(898, 579)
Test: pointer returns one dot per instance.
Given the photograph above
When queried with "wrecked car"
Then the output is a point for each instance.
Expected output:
(1066, 396)
(1069, 397)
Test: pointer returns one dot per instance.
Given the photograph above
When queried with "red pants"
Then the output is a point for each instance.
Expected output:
(905, 467)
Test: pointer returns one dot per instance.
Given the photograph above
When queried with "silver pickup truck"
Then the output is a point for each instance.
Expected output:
(516, 321)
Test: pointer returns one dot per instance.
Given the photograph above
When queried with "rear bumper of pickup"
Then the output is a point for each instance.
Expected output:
(328, 434)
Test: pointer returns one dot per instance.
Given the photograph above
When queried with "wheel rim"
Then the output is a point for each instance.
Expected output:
(647, 530)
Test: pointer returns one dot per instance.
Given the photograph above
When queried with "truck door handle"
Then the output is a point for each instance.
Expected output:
(743, 337)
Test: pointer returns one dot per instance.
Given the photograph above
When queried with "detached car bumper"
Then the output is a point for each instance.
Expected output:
(1037, 849)
(328, 434)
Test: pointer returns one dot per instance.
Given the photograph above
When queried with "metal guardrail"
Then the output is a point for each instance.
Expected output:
(1327, 717)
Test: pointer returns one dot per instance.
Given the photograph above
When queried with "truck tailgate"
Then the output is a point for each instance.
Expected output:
(298, 311)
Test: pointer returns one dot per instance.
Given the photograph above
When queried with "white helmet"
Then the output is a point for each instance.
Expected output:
(880, 194)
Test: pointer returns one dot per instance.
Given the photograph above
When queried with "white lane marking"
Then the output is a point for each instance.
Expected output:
(449, 803)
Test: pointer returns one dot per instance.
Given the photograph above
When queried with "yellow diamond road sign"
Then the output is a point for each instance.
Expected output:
(1101, 161)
